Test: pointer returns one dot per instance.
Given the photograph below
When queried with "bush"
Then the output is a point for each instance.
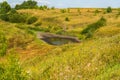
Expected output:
(13, 17)
(67, 19)
(96, 12)
(3, 44)
(109, 10)
(4, 17)
(32, 20)
(17, 18)
(63, 10)
(93, 27)
(53, 8)
(41, 8)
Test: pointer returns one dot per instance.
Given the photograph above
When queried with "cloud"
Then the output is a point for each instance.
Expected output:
(43, 2)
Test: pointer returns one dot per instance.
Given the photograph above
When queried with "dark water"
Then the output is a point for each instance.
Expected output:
(57, 41)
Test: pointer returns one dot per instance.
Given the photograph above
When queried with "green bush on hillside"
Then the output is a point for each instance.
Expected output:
(4, 17)
(63, 11)
(96, 11)
(93, 27)
(32, 20)
(53, 8)
(109, 10)
(13, 17)
(67, 19)
(17, 18)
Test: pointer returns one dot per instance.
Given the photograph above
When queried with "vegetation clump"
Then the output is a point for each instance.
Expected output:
(4, 7)
(14, 17)
(63, 11)
(31, 20)
(96, 11)
(67, 19)
(109, 10)
(93, 27)
(11, 15)
(29, 4)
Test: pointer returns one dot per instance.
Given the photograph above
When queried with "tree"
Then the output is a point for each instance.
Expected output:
(17, 6)
(29, 4)
(109, 10)
(4, 7)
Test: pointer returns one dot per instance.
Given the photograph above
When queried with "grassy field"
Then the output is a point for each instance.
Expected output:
(94, 58)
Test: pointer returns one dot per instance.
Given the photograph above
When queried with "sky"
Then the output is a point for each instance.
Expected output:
(73, 3)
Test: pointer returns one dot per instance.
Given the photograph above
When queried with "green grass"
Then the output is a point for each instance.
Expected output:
(88, 60)
(95, 58)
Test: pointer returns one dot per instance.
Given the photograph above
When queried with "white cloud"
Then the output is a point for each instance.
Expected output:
(43, 2)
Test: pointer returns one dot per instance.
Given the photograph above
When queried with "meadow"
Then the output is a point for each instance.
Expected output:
(96, 57)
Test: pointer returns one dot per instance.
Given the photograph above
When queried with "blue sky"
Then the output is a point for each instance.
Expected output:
(73, 3)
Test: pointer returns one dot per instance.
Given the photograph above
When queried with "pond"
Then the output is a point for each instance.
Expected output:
(55, 39)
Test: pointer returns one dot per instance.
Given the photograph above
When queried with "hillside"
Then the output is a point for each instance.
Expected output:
(94, 58)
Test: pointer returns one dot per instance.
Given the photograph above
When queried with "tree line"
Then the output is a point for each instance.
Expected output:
(29, 4)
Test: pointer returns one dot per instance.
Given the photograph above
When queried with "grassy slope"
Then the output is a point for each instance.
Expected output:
(94, 59)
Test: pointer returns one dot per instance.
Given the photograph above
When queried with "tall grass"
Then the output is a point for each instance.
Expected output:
(12, 70)
(3, 44)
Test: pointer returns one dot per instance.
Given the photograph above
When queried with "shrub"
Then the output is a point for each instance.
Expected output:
(4, 17)
(63, 10)
(109, 10)
(41, 8)
(13, 17)
(93, 27)
(96, 11)
(13, 11)
(67, 19)
(45, 7)
(17, 18)
(3, 44)
(31, 20)
(52, 8)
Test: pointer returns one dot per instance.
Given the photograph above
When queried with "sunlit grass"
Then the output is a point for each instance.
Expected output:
(96, 58)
